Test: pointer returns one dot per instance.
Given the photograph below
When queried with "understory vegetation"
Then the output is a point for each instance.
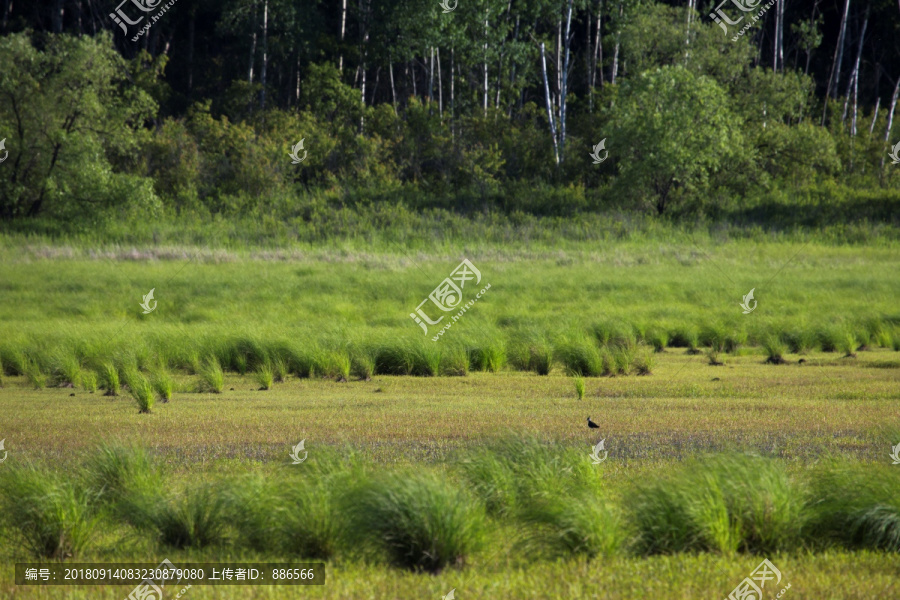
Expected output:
(550, 498)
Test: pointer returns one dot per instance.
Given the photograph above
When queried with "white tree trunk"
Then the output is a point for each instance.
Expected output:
(549, 105)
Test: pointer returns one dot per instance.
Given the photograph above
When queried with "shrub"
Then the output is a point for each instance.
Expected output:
(726, 504)
(53, 517)
(212, 378)
(419, 519)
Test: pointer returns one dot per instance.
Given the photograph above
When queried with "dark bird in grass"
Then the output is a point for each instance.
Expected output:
(592, 425)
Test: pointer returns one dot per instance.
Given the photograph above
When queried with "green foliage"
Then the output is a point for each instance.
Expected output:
(579, 386)
(75, 114)
(724, 504)
(51, 515)
(674, 130)
(140, 390)
(421, 521)
(212, 378)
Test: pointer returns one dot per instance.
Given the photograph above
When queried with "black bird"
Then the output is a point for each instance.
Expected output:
(592, 425)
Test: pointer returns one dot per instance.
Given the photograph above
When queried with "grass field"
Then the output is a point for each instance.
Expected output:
(745, 460)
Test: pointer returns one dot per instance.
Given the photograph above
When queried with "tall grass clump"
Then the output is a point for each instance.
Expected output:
(829, 339)
(800, 341)
(140, 390)
(455, 362)
(848, 344)
(51, 516)
(394, 359)
(89, 380)
(686, 336)
(195, 517)
(212, 378)
(312, 527)
(35, 375)
(643, 363)
(428, 359)
(658, 338)
(857, 506)
(255, 507)
(418, 520)
(581, 357)
(66, 370)
(115, 473)
(724, 504)
(775, 350)
(570, 522)
(109, 377)
(489, 356)
(265, 376)
(163, 384)
(578, 380)
(362, 363)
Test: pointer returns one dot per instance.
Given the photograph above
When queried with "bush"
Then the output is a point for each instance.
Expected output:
(775, 350)
(420, 520)
(579, 386)
(53, 517)
(115, 472)
(490, 356)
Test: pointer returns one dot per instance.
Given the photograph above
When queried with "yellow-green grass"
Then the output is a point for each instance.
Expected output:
(825, 405)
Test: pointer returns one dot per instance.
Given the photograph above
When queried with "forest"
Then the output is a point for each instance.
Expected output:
(774, 114)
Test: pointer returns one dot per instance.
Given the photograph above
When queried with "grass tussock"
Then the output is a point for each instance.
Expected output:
(51, 516)
(726, 504)
(140, 389)
(212, 377)
(419, 520)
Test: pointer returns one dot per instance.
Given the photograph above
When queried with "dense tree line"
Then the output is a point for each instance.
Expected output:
(193, 105)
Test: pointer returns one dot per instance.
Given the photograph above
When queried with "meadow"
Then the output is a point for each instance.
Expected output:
(462, 463)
